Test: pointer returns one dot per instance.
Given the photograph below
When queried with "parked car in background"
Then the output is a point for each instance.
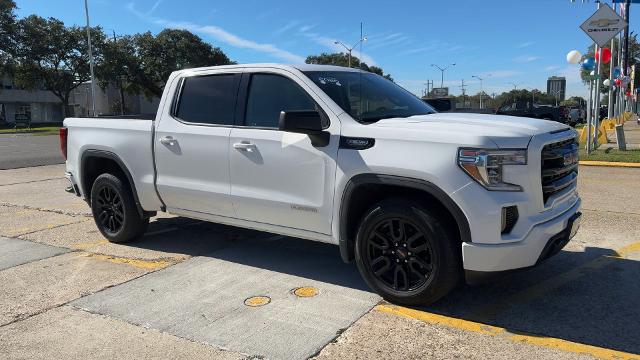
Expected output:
(532, 110)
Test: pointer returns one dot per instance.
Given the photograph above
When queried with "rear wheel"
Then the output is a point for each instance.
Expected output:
(114, 210)
(406, 253)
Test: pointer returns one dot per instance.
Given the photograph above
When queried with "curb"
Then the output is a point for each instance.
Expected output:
(609, 164)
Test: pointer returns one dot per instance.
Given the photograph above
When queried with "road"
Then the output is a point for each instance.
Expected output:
(190, 289)
(21, 150)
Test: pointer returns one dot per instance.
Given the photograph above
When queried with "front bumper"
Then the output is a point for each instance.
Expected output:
(533, 248)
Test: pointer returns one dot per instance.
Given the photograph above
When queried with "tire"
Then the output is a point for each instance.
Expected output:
(114, 210)
(437, 248)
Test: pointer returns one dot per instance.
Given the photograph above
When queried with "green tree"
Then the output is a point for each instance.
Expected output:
(574, 101)
(149, 60)
(342, 59)
(51, 56)
(7, 33)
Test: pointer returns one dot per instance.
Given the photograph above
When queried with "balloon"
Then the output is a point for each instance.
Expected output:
(574, 56)
(618, 82)
(607, 82)
(606, 55)
(628, 93)
(588, 63)
(616, 72)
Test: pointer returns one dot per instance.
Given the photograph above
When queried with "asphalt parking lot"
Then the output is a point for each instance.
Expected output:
(191, 289)
(24, 150)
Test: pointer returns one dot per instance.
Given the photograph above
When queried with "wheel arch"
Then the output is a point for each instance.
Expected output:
(351, 205)
(95, 162)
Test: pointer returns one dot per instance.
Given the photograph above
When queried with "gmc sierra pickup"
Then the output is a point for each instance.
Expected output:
(417, 198)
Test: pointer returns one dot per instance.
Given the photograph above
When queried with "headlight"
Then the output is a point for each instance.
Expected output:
(485, 166)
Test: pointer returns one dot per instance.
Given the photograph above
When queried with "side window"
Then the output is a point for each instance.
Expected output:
(269, 95)
(208, 99)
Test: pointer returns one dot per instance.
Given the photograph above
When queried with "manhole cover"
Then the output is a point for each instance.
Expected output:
(256, 301)
(305, 291)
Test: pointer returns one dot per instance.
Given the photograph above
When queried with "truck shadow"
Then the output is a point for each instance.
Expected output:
(589, 297)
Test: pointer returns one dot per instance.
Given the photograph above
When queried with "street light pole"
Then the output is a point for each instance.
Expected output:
(91, 62)
(442, 70)
(350, 49)
(481, 88)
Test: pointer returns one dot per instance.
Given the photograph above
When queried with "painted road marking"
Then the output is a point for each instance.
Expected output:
(488, 313)
(87, 245)
(533, 339)
(140, 264)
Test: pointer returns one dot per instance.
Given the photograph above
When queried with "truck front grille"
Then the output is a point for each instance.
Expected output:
(559, 167)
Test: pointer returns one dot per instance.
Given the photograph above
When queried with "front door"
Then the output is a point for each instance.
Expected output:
(278, 177)
(192, 145)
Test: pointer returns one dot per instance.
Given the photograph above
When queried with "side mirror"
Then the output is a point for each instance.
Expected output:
(305, 122)
(301, 121)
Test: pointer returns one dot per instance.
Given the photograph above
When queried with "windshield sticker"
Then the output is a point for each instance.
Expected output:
(327, 80)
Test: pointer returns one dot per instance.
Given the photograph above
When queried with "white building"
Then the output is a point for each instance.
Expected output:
(41, 106)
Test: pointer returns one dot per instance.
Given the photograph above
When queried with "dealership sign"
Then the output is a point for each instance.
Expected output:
(603, 25)
(440, 92)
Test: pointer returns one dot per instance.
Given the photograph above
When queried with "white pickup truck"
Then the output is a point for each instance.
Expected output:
(416, 198)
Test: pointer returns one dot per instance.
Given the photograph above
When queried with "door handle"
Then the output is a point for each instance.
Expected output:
(244, 145)
(168, 140)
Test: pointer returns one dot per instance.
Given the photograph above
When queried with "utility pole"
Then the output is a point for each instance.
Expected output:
(463, 86)
(91, 62)
(429, 84)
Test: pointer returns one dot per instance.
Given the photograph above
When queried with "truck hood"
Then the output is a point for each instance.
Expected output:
(504, 131)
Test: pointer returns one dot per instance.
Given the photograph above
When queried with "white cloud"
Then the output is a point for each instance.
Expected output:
(154, 7)
(526, 58)
(525, 44)
(307, 28)
(224, 36)
(417, 50)
(291, 24)
(552, 68)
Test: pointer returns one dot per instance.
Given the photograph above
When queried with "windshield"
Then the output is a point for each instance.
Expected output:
(368, 97)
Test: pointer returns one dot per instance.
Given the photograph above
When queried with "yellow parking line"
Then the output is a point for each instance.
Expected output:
(87, 245)
(609, 163)
(140, 264)
(487, 313)
(543, 341)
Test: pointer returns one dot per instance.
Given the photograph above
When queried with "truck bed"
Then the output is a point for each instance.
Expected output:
(127, 139)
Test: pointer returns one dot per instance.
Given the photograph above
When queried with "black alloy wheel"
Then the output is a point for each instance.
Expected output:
(408, 252)
(400, 255)
(111, 215)
(114, 209)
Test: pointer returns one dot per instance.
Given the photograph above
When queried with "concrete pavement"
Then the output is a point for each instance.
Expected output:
(183, 289)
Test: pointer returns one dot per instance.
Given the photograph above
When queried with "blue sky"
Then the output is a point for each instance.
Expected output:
(505, 42)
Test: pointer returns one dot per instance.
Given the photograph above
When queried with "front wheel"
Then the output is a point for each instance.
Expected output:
(406, 253)
(114, 210)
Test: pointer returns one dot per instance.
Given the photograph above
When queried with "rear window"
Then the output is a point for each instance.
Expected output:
(208, 99)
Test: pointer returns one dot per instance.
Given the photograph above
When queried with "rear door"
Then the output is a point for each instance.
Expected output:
(278, 177)
(192, 145)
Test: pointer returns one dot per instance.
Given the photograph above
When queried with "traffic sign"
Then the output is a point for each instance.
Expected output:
(603, 25)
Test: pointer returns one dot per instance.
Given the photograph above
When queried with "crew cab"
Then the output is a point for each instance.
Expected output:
(416, 198)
